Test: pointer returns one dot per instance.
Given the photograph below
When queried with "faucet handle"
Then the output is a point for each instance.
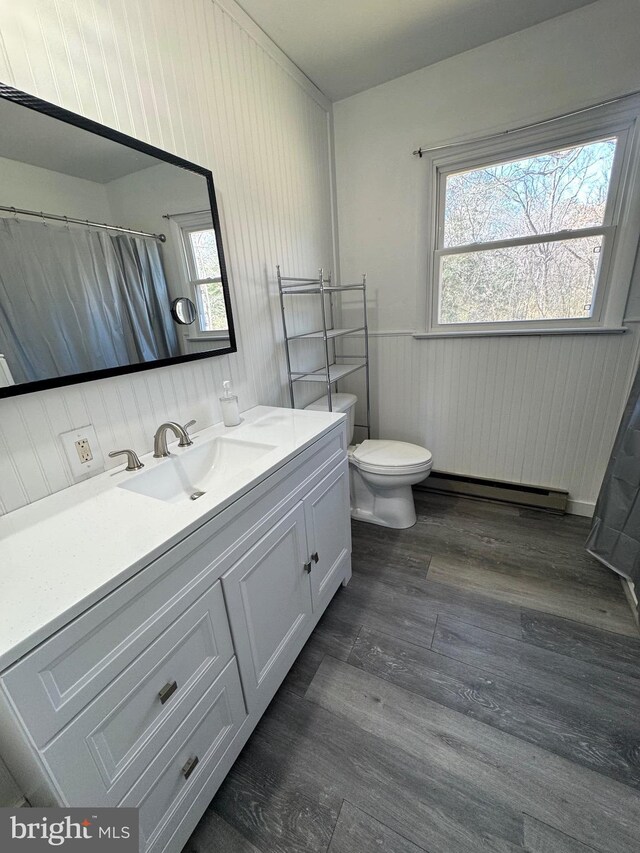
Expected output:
(188, 442)
(133, 462)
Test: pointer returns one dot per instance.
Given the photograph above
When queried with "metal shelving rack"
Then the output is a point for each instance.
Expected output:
(335, 367)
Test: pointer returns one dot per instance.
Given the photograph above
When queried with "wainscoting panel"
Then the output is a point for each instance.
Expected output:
(197, 78)
(538, 410)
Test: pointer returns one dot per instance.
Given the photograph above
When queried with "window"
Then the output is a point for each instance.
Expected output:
(203, 270)
(535, 231)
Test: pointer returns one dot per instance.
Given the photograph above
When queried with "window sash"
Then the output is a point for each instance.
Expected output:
(606, 232)
(205, 333)
(599, 294)
(186, 231)
(195, 281)
(551, 237)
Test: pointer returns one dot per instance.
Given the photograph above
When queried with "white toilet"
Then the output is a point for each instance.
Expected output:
(381, 471)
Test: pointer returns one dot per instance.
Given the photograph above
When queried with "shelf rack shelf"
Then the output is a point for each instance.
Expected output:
(335, 367)
(336, 372)
(331, 333)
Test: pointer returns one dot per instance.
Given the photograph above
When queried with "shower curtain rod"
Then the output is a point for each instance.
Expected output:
(68, 219)
(419, 152)
(184, 213)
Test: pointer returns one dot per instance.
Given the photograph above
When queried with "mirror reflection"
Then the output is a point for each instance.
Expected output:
(110, 258)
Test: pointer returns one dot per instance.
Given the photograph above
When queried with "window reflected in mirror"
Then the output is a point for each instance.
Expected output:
(202, 268)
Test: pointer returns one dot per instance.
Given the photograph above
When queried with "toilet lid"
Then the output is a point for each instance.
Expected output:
(383, 453)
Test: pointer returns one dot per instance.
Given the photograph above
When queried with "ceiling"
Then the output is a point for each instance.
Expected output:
(36, 138)
(346, 46)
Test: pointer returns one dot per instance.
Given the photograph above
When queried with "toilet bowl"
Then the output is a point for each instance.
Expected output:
(381, 472)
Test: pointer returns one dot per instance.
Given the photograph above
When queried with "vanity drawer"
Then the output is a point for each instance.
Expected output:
(172, 782)
(116, 737)
(50, 686)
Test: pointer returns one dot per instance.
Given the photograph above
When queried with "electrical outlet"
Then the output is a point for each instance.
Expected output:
(83, 452)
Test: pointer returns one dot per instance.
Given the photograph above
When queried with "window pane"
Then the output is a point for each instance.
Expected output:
(544, 281)
(550, 192)
(212, 314)
(205, 253)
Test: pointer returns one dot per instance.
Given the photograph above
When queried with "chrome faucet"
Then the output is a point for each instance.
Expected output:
(160, 449)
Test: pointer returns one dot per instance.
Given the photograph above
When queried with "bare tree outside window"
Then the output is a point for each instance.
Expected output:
(509, 250)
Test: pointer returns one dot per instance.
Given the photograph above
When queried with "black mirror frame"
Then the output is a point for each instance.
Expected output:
(33, 103)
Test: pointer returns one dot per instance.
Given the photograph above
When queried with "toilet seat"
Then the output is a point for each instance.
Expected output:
(383, 456)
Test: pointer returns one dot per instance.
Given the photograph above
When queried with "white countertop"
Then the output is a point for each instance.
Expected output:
(62, 554)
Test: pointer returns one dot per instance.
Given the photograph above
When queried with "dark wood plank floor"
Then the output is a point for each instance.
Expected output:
(475, 688)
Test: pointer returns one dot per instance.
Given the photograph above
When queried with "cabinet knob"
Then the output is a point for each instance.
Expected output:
(307, 567)
(167, 691)
(190, 766)
(315, 557)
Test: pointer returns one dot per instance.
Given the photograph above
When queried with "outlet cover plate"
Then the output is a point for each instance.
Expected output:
(82, 443)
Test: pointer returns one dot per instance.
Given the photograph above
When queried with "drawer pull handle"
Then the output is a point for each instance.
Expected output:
(190, 766)
(307, 567)
(167, 691)
(315, 557)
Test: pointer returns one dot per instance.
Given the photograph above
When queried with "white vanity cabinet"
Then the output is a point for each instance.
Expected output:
(290, 575)
(147, 697)
(328, 533)
(269, 602)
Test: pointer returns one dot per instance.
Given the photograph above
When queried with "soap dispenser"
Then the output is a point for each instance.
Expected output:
(229, 405)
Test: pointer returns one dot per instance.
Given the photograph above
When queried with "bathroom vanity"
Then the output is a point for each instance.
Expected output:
(143, 633)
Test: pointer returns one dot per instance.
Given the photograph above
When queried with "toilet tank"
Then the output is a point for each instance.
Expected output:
(339, 403)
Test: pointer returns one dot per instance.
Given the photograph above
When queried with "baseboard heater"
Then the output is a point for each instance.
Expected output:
(537, 497)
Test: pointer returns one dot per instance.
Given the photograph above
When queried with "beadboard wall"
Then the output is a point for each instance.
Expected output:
(535, 410)
(199, 79)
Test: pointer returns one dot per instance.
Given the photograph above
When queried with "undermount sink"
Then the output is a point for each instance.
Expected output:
(198, 470)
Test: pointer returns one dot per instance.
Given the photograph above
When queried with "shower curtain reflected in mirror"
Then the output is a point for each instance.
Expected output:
(74, 300)
(615, 535)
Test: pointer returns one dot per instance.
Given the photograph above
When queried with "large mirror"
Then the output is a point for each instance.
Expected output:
(111, 258)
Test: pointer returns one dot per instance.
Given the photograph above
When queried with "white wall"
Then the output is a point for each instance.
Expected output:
(537, 410)
(197, 78)
(34, 188)
(145, 196)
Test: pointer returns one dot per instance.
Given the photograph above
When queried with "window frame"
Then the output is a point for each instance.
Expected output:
(620, 228)
(185, 223)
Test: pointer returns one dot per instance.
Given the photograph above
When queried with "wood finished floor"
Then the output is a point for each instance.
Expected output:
(475, 688)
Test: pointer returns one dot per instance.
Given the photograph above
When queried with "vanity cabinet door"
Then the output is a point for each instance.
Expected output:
(328, 522)
(268, 600)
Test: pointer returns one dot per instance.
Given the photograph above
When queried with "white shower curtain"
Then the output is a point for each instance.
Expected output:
(74, 300)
